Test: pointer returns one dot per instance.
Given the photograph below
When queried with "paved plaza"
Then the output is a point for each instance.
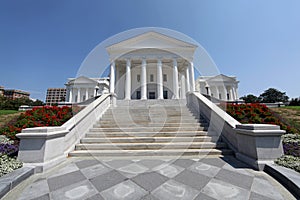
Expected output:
(185, 179)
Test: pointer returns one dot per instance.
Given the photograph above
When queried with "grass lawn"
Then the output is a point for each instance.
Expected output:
(292, 107)
(8, 115)
(291, 114)
(7, 112)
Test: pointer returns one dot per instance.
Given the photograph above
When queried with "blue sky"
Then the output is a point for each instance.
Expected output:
(42, 43)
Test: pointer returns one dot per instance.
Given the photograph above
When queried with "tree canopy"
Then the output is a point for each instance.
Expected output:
(273, 95)
(14, 104)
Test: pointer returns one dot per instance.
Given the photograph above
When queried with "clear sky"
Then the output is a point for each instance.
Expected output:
(42, 43)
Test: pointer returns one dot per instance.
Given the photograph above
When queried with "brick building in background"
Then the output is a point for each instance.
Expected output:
(55, 95)
(13, 93)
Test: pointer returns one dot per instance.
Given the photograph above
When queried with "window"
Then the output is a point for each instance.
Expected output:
(165, 77)
(220, 96)
(151, 95)
(138, 94)
(151, 78)
(165, 94)
(138, 78)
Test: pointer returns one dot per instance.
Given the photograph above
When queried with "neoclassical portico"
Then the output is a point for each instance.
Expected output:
(156, 67)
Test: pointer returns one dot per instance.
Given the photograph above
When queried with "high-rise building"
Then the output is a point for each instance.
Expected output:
(55, 95)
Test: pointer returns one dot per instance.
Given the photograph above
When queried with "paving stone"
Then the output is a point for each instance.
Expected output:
(185, 163)
(95, 170)
(36, 189)
(263, 187)
(168, 170)
(151, 163)
(115, 164)
(255, 196)
(223, 190)
(86, 163)
(132, 170)
(43, 197)
(204, 169)
(202, 196)
(64, 180)
(234, 162)
(245, 171)
(195, 180)
(71, 167)
(175, 191)
(105, 181)
(237, 179)
(96, 197)
(79, 190)
(150, 180)
(149, 197)
(217, 162)
(126, 190)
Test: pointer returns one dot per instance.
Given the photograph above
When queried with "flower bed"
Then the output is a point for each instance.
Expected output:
(261, 114)
(257, 114)
(39, 116)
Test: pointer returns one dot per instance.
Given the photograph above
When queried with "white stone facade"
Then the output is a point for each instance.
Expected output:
(221, 87)
(151, 66)
(82, 88)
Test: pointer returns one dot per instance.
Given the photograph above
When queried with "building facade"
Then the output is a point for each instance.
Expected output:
(55, 96)
(151, 66)
(15, 94)
(1, 90)
(83, 88)
(221, 87)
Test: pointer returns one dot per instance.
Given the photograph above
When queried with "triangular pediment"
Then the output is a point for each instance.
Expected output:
(222, 78)
(81, 80)
(151, 40)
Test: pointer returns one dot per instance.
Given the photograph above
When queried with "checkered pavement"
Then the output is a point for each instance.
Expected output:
(184, 179)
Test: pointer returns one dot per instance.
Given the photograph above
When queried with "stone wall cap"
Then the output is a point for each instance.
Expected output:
(257, 127)
(45, 129)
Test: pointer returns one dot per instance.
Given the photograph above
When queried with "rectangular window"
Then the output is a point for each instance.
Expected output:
(165, 94)
(165, 77)
(138, 94)
(138, 78)
(151, 78)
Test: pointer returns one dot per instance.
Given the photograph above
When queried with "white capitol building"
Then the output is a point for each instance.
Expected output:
(152, 66)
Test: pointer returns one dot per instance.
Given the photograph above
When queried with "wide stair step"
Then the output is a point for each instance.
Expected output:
(163, 128)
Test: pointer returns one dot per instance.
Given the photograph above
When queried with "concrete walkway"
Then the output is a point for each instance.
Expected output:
(185, 179)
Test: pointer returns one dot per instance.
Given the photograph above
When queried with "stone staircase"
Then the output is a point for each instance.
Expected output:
(150, 128)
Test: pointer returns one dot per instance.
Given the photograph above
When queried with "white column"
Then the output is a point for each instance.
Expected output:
(218, 92)
(86, 93)
(187, 75)
(192, 79)
(128, 80)
(159, 80)
(234, 93)
(71, 95)
(175, 79)
(182, 86)
(231, 94)
(144, 80)
(225, 93)
(78, 95)
(112, 78)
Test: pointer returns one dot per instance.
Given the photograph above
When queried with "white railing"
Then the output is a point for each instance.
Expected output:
(254, 144)
(45, 147)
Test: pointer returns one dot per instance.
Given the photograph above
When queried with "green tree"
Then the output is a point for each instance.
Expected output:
(273, 95)
(250, 98)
